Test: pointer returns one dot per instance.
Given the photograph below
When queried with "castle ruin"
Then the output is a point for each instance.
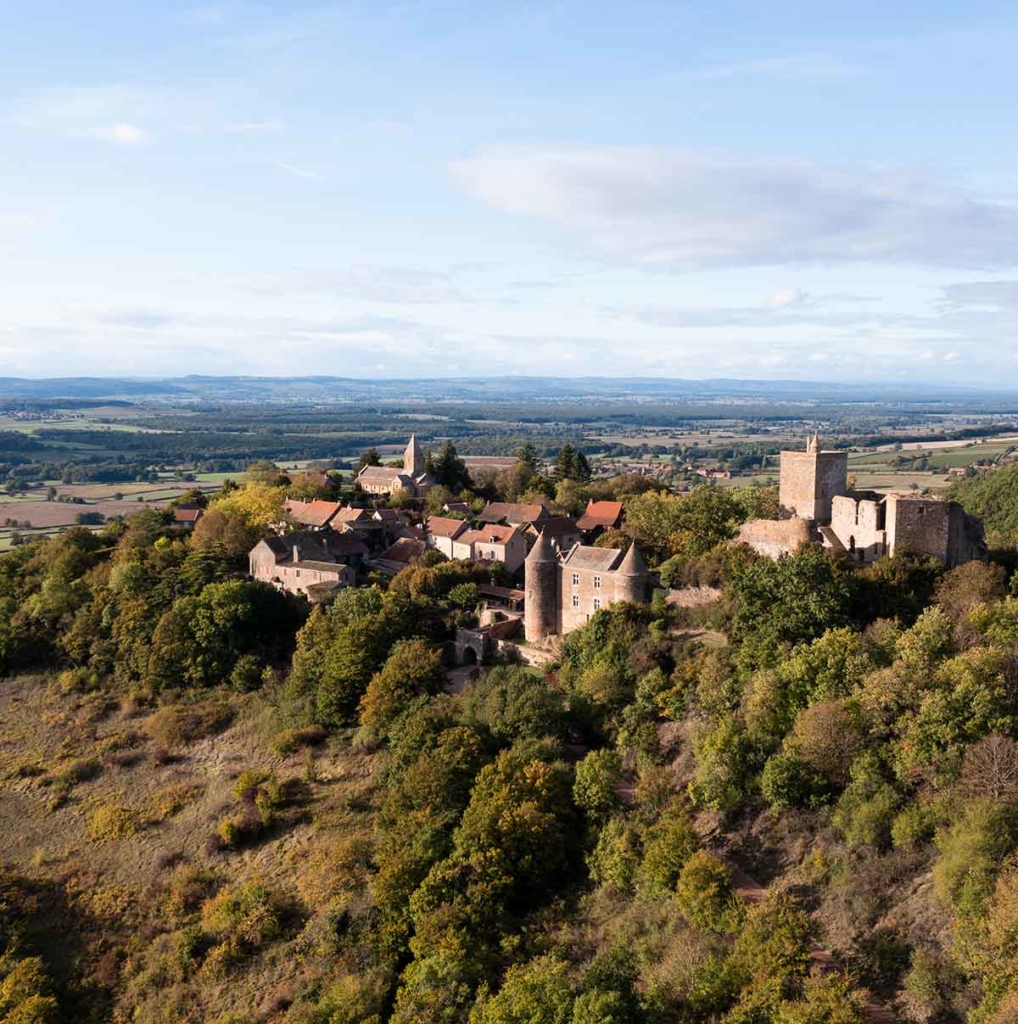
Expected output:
(815, 505)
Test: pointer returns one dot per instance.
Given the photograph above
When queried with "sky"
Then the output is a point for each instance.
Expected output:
(812, 191)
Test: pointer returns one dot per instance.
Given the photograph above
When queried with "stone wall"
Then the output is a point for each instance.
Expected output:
(859, 524)
(581, 593)
(918, 525)
(774, 538)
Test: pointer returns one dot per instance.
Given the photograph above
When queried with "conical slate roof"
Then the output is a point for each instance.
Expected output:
(543, 550)
(633, 563)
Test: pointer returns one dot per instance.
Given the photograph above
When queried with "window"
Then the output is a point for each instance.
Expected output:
(576, 579)
(597, 604)
(298, 574)
(530, 595)
(597, 582)
(576, 600)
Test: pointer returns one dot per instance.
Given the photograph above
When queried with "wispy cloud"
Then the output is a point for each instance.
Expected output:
(208, 15)
(815, 68)
(121, 134)
(671, 207)
(256, 127)
(299, 172)
(1001, 295)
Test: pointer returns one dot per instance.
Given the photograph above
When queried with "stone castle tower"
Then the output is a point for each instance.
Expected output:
(541, 572)
(631, 577)
(809, 482)
(413, 458)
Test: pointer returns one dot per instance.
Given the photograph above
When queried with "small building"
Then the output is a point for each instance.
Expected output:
(513, 513)
(494, 543)
(459, 507)
(412, 478)
(406, 551)
(600, 516)
(440, 532)
(562, 531)
(314, 514)
(187, 516)
(297, 561)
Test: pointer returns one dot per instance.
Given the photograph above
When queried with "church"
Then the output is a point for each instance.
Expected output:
(412, 478)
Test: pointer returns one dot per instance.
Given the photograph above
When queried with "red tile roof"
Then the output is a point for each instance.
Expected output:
(439, 526)
(187, 513)
(512, 512)
(312, 513)
(605, 514)
(493, 534)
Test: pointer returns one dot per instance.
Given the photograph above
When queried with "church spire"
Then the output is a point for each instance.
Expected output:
(413, 458)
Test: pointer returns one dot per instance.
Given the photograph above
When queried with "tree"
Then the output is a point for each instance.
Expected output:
(571, 464)
(990, 768)
(535, 993)
(413, 669)
(705, 894)
(449, 469)
(368, 458)
(597, 775)
(512, 702)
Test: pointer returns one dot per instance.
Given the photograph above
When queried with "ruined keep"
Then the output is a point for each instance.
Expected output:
(809, 481)
(815, 505)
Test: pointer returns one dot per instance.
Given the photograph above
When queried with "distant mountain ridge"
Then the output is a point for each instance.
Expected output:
(197, 388)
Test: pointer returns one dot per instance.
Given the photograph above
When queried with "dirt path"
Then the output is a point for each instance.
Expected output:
(753, 892)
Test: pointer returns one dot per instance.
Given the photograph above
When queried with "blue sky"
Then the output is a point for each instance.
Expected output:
(445, 188)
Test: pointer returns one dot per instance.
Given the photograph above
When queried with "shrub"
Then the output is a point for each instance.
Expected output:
(177, 725)
(789, 781)
(705, 895)
(291, 740)
(245, 915)
(172, 799)
(82, 770)
(615, 859)
(111, 821)
(913, 826)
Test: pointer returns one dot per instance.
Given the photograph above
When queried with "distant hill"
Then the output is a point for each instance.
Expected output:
(509, 389)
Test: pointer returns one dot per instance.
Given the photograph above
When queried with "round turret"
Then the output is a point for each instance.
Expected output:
(631, 577)
(541, 571)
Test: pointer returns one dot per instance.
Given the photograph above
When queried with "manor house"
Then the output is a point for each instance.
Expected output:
(815, 505)
(564, 590)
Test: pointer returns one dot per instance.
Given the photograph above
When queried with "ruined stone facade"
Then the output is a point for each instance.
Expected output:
(815, 505)
(868, 526)
(776, 538)
(563, 592)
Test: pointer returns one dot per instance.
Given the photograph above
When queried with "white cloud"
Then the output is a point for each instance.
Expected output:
(256, 127)
(801, 67)
(786, 298)
(1001, 295)
(122, 134)
(670, 207)
(310, 175)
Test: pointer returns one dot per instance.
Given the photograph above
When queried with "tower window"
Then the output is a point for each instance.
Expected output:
(597, 603)
(576, 600)
(597, 582)
(576, 579)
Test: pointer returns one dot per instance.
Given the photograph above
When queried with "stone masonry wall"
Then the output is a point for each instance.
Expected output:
(774, 538)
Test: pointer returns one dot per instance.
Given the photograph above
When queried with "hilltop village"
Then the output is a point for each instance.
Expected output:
(546, 572)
